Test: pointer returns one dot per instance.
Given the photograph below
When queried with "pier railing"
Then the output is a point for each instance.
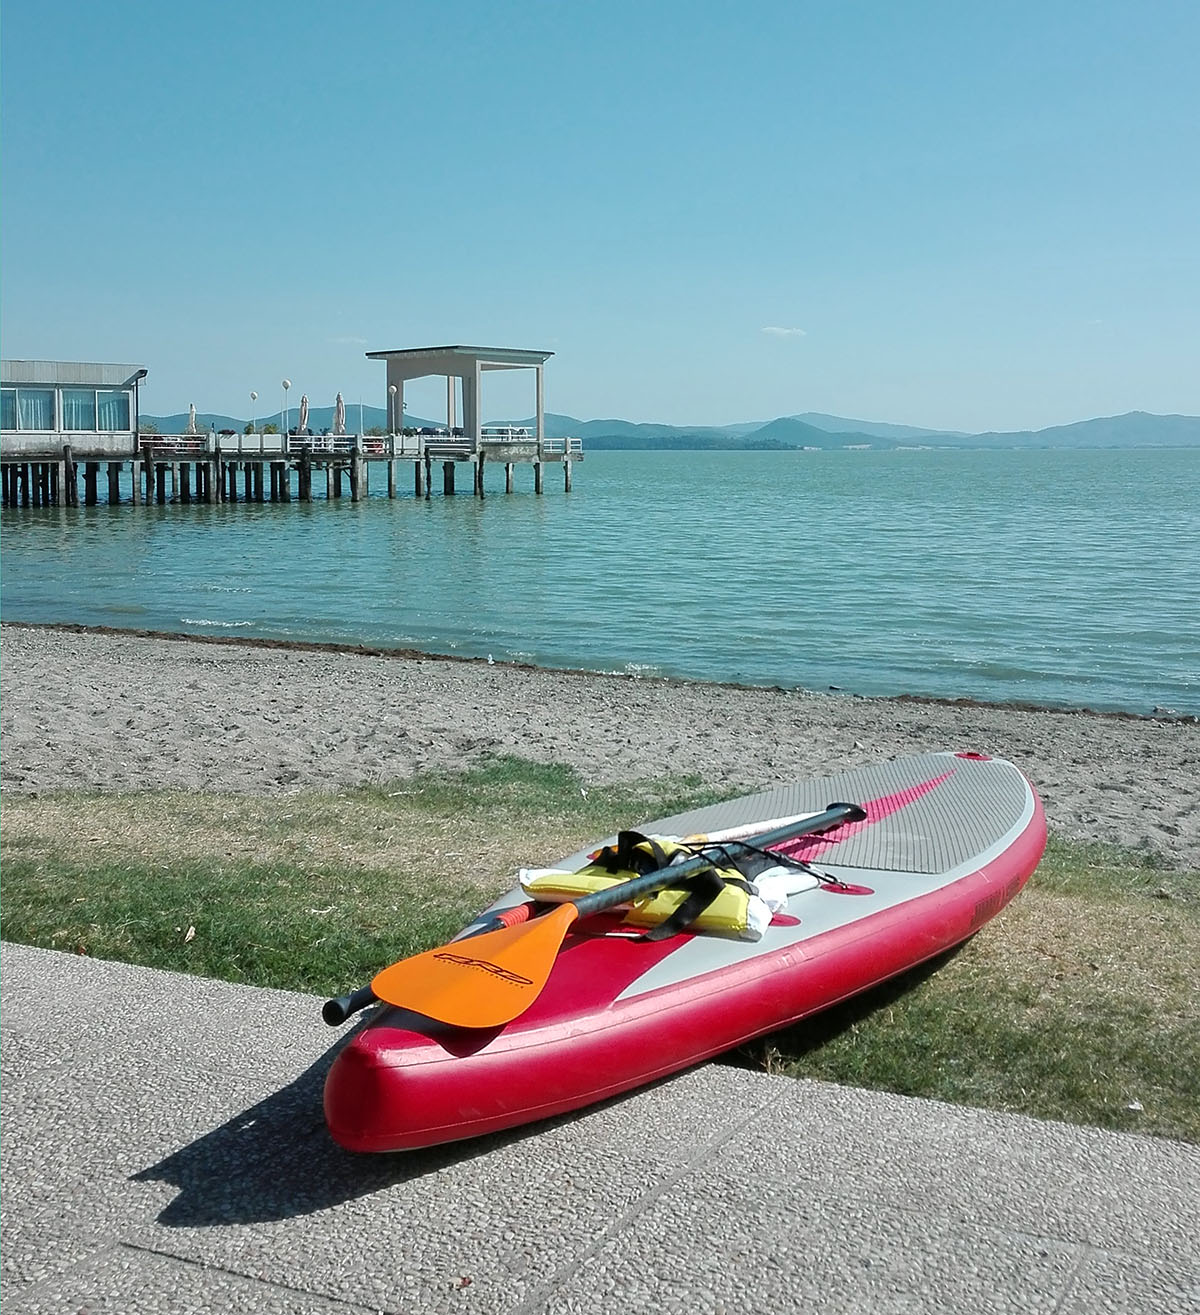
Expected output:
(178, 447)
(570, 447)
(175, 447)
(341, 445)
(440, 444)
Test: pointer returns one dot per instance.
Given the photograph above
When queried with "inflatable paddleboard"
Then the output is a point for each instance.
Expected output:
(947, 841)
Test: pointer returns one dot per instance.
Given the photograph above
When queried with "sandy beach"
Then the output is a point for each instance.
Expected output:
(115, 711)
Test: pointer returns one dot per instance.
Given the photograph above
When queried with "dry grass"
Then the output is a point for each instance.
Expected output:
(351, 832)
(311, 892)
(1077, 1002)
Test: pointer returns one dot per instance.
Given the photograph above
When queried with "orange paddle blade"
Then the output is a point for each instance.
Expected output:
(479, 981)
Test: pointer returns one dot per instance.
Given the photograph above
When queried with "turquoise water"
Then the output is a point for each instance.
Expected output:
(1059, 578)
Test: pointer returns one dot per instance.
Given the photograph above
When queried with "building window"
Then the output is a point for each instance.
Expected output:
(112, 410)
(79, 408)
(82, 410)
(35, 408)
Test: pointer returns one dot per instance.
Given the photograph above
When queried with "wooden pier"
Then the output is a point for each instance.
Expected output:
(272, 468)
(63, 419)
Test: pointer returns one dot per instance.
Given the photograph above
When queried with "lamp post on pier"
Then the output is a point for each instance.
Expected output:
(287, 383)
(254, 420)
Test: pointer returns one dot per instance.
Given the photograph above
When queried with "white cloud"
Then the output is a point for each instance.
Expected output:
(777, 332)
(353, 342)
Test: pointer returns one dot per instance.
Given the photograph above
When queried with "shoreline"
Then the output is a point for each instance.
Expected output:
(106, 709)
(421, 654)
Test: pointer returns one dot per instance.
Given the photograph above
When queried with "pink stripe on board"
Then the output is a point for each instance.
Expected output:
(877, 809)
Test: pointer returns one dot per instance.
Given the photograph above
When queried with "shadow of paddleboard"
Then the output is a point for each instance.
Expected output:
(276, 1160)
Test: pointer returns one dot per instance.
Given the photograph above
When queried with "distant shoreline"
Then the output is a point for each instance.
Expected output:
(807, 431)
(95, 709)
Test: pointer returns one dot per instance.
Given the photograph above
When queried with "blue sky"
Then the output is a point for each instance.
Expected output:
(956, 215)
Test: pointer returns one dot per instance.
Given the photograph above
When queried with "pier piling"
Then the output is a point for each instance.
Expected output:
(197, 473)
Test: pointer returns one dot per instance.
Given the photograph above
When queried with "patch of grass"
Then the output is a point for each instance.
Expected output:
(314, 892)
(1078, 1002)
(1101, 871)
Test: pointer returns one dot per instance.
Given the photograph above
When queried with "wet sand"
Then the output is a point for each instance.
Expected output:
(116, 711)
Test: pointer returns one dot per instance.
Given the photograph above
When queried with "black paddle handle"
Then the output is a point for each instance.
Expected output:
(660, 878)
(335, 1012)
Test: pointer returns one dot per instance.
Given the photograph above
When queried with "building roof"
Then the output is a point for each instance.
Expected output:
(489, 358)
(89, 374)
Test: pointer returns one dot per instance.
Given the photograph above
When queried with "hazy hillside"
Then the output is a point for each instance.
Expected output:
(628, 433)
(792, 432)
(1136, 429)
(875, 428)
(319, 418)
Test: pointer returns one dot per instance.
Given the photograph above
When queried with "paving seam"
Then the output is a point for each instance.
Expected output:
(1086, 1249)
(537, 1300)
(51, 1285)
(204, 1267)
(1071, 1282)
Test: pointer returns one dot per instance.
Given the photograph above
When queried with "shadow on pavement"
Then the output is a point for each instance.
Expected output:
(276, 1160)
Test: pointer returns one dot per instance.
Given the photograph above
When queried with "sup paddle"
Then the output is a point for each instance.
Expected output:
(336, 1011)
(488, 979)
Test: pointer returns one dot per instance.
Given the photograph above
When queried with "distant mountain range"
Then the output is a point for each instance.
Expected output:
(810, 430)
(319, 418)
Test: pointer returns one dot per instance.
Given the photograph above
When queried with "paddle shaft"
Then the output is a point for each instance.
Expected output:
(336, 1011)
(660, 878)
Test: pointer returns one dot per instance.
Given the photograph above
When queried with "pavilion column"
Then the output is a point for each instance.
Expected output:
(471, 403)
(540, 432)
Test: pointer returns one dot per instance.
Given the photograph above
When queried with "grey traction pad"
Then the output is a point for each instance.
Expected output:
(980, 802)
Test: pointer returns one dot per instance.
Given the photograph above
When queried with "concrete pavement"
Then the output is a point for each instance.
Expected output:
(164, 1151)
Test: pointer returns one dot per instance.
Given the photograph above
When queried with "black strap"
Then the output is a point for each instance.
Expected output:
(702, 889)
(625, 856)
(751, 860)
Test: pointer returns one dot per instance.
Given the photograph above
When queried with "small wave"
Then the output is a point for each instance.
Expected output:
(216, 625)
(225, 588)
(634, 670)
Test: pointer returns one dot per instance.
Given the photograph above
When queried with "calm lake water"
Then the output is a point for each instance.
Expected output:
(1060, 578)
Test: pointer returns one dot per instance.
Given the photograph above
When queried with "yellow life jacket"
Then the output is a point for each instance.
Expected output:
(720, 901)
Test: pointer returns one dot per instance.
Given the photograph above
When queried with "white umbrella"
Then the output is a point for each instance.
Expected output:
(191, 429)
(339, 416)
(303, 413)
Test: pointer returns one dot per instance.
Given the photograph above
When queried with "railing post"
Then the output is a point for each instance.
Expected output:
(356, 469)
